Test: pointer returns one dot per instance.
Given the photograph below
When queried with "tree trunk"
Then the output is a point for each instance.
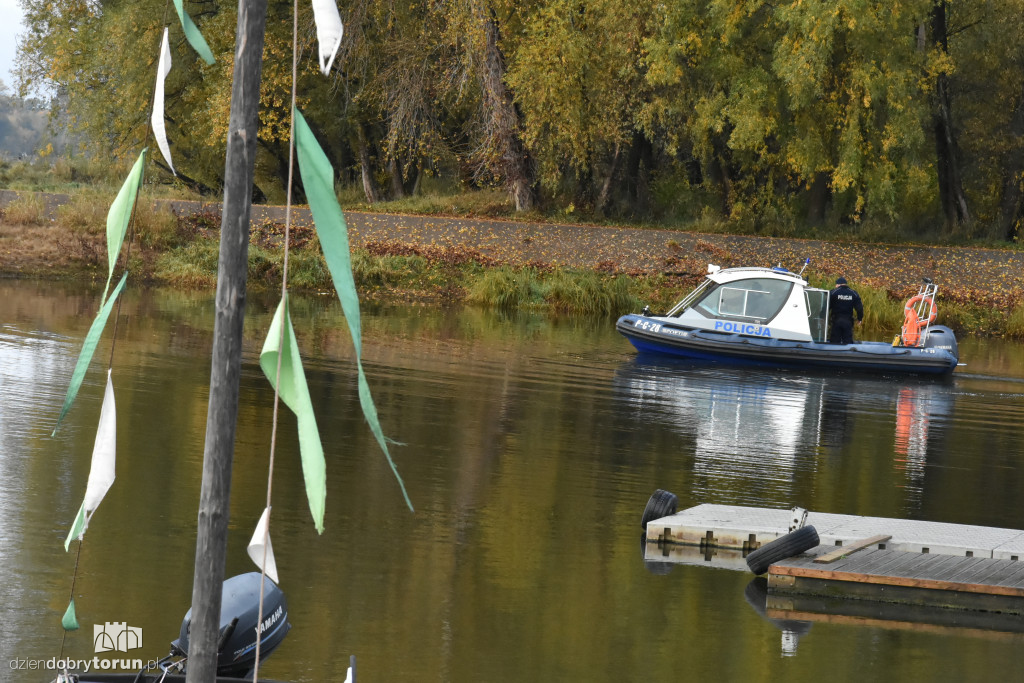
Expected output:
(506, 154)
(718, 172)
(1011, 211)
(395, 171)
(638, 169)
(197, 186)
(606, 187)
(412, 183)
(818, 195)
(950, 177)
(222, 411)
(369, 187)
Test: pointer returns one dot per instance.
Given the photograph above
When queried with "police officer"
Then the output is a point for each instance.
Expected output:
(842, 302)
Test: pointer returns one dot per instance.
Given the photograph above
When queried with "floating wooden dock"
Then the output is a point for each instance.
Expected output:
(932, 565)
(746, 529)
(896, 576)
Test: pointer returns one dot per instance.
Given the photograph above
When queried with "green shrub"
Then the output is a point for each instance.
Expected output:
(588, 292)
(506, 288)
(1015, 323)
(881, 314)
(307, 269)
(971, 318)
(193, 266)
(370, 270)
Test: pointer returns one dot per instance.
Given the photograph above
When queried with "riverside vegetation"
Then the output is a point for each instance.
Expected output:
(182, 250)
(840, 121)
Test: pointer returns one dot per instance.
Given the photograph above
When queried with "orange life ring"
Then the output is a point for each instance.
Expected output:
(913, 323)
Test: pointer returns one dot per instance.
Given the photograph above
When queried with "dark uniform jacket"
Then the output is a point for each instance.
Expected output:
(842, 302)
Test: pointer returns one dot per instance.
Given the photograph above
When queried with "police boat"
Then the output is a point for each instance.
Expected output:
(772, 317)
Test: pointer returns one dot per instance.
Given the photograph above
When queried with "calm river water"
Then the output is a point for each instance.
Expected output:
(530, 447)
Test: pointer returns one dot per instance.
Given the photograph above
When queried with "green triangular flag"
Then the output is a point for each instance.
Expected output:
(318, 181)
(120, 214)
(88, 348)
(69, 621)
(295, 394)
(192, 34)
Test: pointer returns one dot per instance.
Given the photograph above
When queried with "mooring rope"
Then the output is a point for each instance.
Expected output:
(284, 327)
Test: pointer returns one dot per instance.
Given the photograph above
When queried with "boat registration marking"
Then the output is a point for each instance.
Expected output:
(647, 325)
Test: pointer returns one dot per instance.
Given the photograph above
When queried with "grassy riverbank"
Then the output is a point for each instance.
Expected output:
(180, 250)
(390, 271)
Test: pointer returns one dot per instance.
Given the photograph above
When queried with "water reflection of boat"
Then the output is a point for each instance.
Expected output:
(919, 409)
(767, 426)
(752, 425)
(770, 316)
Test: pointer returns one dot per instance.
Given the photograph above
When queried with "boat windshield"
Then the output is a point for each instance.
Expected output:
(680, 307)
(758, 299)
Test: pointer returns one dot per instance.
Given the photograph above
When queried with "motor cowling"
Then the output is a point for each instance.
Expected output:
(941, 337)
(239, 617)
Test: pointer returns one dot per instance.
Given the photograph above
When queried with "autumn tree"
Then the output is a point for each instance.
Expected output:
(851, 76)
(801, 112)
(947, 149)
(578, 76)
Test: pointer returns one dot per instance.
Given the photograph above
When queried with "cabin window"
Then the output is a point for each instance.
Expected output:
(817, 313)
(756, 299)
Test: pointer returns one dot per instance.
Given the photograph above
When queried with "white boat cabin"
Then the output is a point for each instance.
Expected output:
(771, 303)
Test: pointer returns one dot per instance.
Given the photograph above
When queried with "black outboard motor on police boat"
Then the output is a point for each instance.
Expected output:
(239, 613)
(941, 337)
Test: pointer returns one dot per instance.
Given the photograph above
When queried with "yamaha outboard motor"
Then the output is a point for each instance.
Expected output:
(239, 613)
(941, 337)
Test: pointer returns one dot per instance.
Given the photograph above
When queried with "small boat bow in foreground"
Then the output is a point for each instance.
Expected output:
(771, 316)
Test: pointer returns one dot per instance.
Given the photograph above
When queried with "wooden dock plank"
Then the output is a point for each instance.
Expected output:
(910, 563)
(993, 572)
(969, 572)
(876, 562)
(847, 550)
(1014, 578)
(880, 561)
(931, 574)
(943, 567)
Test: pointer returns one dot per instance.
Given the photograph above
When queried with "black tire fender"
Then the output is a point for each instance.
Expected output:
(660, 504)
(793, 543)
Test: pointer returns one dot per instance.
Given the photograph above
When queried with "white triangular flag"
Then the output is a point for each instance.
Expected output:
(157, 119)
(101, 471)
(255, 548)
(328, 32)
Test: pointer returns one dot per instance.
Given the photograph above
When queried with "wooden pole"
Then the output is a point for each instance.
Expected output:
(222, 412)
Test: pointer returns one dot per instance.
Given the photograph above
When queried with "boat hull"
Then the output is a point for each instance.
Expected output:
(653, 335)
